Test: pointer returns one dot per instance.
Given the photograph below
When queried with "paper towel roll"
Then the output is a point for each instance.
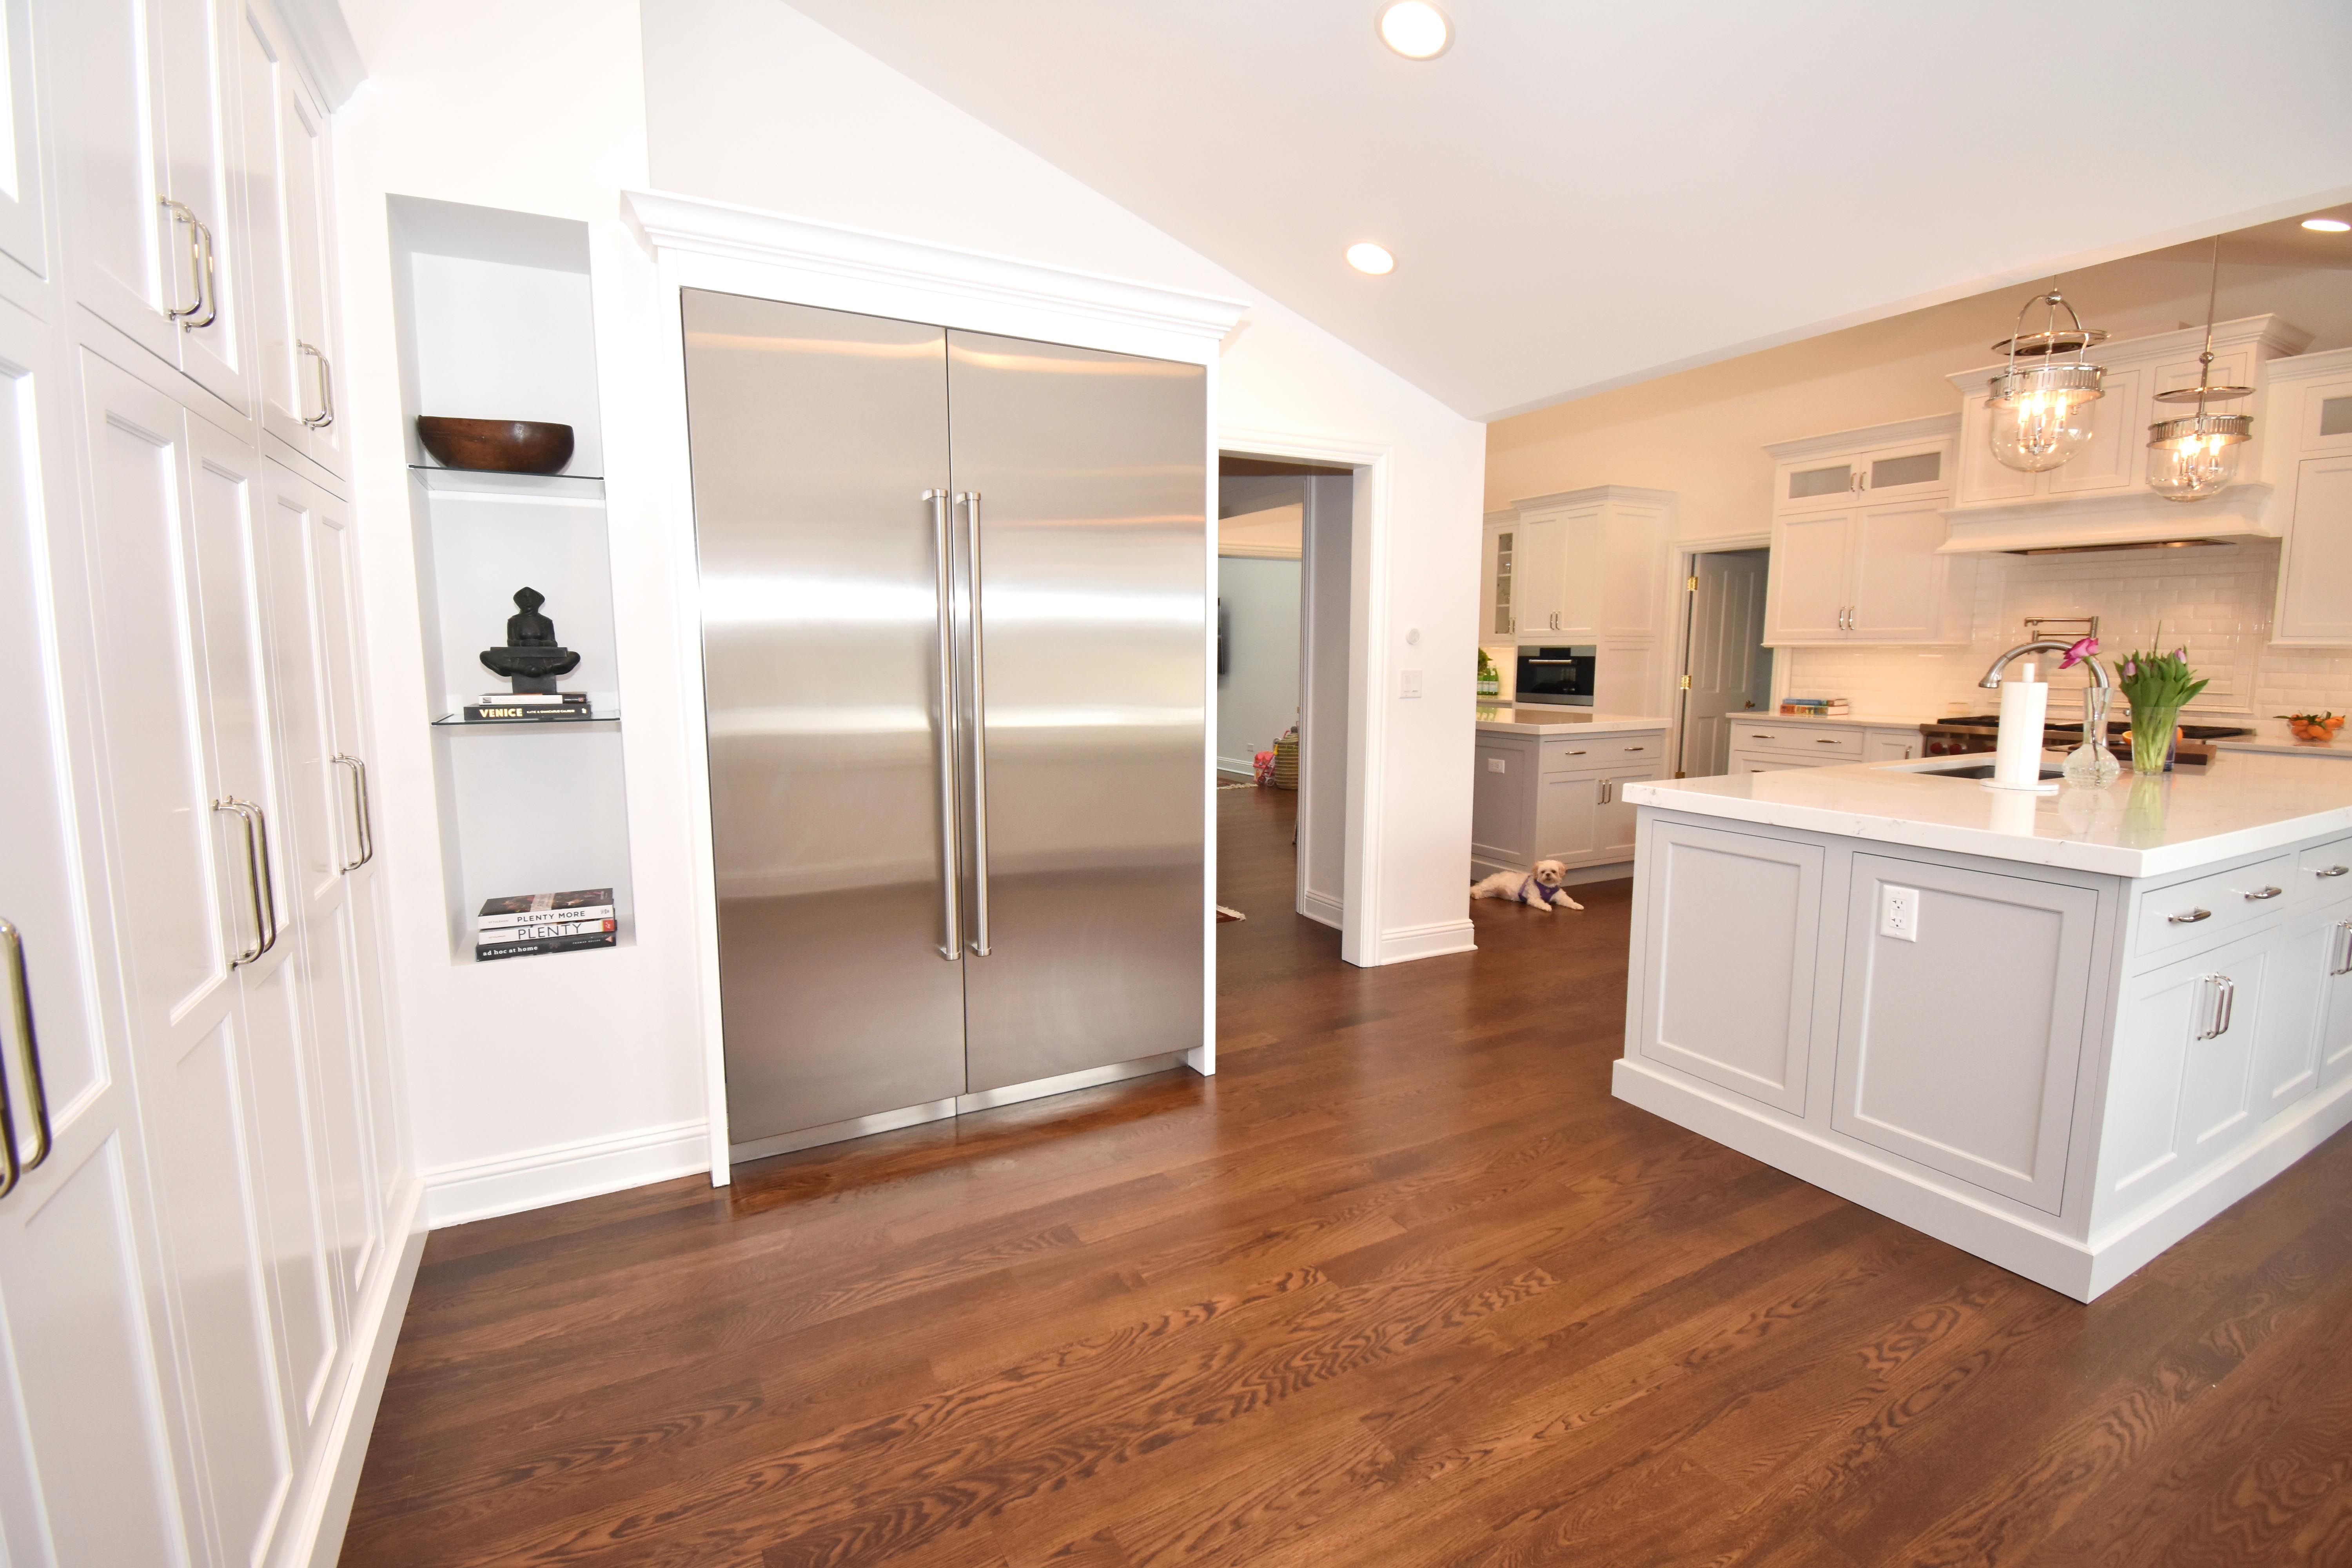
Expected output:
(2017, 755)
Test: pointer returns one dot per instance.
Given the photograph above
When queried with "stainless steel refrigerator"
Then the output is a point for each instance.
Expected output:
(954, 652)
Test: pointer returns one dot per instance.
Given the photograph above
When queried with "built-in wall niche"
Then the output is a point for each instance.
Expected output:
(495, 322)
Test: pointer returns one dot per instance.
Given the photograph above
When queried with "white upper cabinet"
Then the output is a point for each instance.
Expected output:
(1586, 565)
(23, 234)
(286, 199)
(2116, 462)
(2310, 415)
(1862, 563)
(153, 207)
(1499, 561)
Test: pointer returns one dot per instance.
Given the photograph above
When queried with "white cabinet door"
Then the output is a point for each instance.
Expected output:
(2118, 450)
(128, 258)
(1613, 823)
(169, 529)
(24, 233)
(1502, 804)
(1814, 485)
(1730, 959)
(2288, 1047)
(1806, 594)
(196, 44)
(285, 167)
(2316, 572)
(2003, 1124)
(88, 1409)
(1579, 574)
(312, 636)
(1567, 819)
(1896, 581)
(2335, 1028)
(1890, 745)
(1912, 471)
(1981, 477)
(1537, 570)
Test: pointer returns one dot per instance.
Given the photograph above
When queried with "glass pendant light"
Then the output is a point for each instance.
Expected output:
(2189, 460)
(2041, 412)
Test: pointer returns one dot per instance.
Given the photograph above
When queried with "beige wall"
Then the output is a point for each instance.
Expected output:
(1701, 433)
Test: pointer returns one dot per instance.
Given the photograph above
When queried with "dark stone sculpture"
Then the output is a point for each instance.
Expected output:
(531, 658)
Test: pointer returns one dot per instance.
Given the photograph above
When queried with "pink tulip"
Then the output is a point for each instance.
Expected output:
(2131, 668)
(2079, 652)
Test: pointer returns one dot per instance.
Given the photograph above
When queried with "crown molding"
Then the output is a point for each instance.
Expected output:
(1593, 495)
(323, 44)
(1899, 432)
(673, 224)
(2309, 367)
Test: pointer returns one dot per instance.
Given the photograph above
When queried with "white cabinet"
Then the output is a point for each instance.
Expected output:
(1889, 745)
(288, 199)
(2310, 420)
(1586, 564)
(24, 230)
(1497, 577)
(1857, 524)
(1761, 745)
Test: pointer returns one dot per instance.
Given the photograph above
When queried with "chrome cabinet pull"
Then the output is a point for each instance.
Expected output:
(1828, 742)
(971, 501)
(1578, 753)
(1605, 792)
(950, 829)
(12, 1162)
(326, 414)
(362, 811)
(2258, 894)
(1637, 748)
(2339, 957)
(2191, 917)
(2332, 870)
(2225, 1005)
(200, 265)
(252, 880)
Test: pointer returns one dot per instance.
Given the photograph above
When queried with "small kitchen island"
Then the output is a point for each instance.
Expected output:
(2059, 1032)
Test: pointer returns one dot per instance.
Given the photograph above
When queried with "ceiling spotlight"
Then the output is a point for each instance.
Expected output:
(1367, 256)
(2327, 225)
(1415, 29)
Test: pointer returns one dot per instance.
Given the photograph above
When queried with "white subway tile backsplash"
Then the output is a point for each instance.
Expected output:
(2214, 600)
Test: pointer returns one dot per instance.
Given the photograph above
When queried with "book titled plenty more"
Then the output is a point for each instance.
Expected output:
(527, 923)
(530, 707)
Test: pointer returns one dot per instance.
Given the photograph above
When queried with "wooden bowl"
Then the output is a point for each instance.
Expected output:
(496, 446)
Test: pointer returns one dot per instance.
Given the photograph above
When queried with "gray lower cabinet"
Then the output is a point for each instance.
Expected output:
(1911, 1007)
(1558, 798)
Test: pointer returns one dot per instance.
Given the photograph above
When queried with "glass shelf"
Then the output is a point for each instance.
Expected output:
(456, 722)
(484, 482)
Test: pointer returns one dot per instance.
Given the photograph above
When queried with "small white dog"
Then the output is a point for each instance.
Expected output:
(1539, 888)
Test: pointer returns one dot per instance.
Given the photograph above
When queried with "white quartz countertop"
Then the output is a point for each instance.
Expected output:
(1861, 721)
(1501, 718)
(2272, 735)
(2245, 803)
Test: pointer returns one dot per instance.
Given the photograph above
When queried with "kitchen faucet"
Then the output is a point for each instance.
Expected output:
(2094, 699)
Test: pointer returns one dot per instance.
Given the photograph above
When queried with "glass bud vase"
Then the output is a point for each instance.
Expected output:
(2152, 739)
(2091, 765)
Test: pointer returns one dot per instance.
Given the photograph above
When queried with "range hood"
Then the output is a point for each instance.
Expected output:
(2141, 520)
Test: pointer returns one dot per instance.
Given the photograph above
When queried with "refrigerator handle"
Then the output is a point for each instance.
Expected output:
(952, 948)
(971, 501)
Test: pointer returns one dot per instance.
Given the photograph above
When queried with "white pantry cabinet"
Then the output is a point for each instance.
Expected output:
(2310, 420)
(197, 1258)
(1857, 524)
(1589, 567)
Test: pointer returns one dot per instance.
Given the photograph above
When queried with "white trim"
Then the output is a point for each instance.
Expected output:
(2307, 366)
(323, 1510)
(845, 269)
(1319, 908)
(1368, 595)
(1926, 429)
(1592, 495)
(559, 1172)
(1432, 940)
(323, 47)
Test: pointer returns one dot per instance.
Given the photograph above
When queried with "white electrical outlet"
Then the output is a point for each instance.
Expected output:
(1898, 913)
(1494, 764)
(1408, 683)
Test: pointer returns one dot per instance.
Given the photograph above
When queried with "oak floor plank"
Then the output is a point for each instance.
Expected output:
(1401, 1285)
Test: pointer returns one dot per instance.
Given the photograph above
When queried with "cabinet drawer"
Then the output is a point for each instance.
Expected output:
(2324, 872)
(2204, 908)
(1604, 753)
(1795, 741)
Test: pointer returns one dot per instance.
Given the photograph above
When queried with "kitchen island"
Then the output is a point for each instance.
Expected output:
(2059, 1032)
(1550, 786)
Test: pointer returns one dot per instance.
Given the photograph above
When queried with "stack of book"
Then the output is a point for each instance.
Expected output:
(1816, 707)
(544, 922)
(528, 708)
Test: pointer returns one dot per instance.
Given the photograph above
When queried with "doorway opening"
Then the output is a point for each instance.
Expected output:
(1285, 530)
(1727, 670)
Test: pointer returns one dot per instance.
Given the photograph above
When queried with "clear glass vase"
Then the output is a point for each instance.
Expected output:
(2090, 765)
(2151, 735)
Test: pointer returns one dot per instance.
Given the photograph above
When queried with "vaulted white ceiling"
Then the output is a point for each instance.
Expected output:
(1582, 195)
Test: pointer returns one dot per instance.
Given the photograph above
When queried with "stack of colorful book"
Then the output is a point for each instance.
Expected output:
(530, 923)
(1816, 707)
(528, 708)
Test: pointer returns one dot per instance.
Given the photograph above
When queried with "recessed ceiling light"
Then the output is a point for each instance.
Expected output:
(1366, 256)
(2327, 225)
(1415, 29)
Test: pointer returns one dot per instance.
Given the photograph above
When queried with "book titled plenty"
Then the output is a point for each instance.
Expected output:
(543, 908)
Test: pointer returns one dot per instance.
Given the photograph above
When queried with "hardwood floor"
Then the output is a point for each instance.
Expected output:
(1401, 1285)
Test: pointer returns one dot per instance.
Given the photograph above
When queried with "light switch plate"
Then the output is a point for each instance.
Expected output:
(1494, 765)
(1898, 913)
(1408, 683)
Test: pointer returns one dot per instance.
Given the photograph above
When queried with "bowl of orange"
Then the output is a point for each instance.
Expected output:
(2313, 729)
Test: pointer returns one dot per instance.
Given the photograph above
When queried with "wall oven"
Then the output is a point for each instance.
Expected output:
(1561, 676)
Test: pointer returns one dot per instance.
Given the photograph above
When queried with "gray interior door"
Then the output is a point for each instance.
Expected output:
(1086, 706)
(815, 434)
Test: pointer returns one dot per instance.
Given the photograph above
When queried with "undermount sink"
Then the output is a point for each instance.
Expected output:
(1983, 770)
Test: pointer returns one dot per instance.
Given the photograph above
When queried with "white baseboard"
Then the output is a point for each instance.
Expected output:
(1404, 943)
(562, 1172)
(1242, 766)
(322, 1512)
(1319, 907)
(1614, 871)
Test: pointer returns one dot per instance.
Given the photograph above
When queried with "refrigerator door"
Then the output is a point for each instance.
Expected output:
(815, 435)
(1085, 703)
